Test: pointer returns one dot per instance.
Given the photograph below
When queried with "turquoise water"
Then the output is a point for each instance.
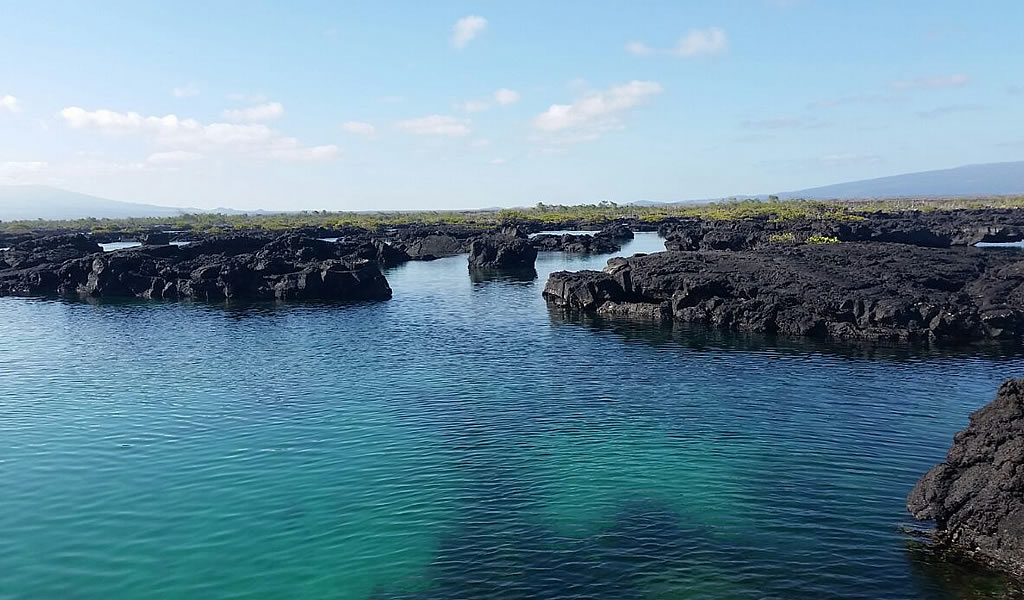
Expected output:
(461, 441)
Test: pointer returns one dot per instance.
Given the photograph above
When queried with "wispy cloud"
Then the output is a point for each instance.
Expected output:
(467, 29)
(247, 98)
(849, 158)
(931, 83)
(699, 42)
(696, 42)
(639, 49)
(472, 106)
(596, 112)
(950, 109)
(506, 96)
(442, 125)
(253, 114)
(173, 132)
(10, 104)
(502, 97)
(853, 99)
(173, 157)
(359, 128)
(16, 170)
(497, 161)
(1015, 90)
(186, 91)
(782, 123)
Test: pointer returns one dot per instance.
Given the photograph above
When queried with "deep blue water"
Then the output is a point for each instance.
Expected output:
(463, 441)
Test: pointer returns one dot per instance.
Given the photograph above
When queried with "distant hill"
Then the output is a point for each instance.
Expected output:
(990, 179)
(42, 202)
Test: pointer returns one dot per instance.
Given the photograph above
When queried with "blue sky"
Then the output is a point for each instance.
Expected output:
(414, 105)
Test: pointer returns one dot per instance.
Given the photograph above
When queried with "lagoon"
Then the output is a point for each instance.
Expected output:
(463, 441)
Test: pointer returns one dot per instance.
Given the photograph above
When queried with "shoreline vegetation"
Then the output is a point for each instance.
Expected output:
(539, 216)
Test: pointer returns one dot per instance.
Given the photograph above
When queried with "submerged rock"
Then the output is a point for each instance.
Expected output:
(976, 497)
(867, 291)
(509, 248)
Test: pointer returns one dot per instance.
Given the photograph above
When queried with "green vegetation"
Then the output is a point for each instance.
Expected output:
(782, 238)
(822, 239)
(542, 214)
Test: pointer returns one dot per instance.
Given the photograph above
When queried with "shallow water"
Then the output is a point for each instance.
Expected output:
(112, 246)
(463, 441)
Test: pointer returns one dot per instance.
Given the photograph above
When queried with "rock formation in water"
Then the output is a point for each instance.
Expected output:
(509, 248)
(429, 243)
(868, 291)
(576, 243)
(235, 267)
(976, 497)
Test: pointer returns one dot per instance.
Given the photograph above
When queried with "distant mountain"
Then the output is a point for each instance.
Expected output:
(990, 179)
(19, 202)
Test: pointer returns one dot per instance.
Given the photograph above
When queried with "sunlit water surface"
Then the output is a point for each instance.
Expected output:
(461, 441)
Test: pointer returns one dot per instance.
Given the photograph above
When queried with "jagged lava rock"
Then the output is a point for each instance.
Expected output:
(976, 496)
(509, 248)
(868, 291)
(237, 267)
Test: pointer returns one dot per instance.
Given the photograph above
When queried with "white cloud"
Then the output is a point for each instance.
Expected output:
(698, 42)
(931, 83)
(359, 128)
(481, 143)
(177, 133)
(13, 171)
(290, 149)
(261, 112)
(639, 49)
(472, 106)
(435, 125)
(596, 112)
(172, 157)
(10, 103)
(506, 96)
(497, 161)
(186, 91)
(466, 29)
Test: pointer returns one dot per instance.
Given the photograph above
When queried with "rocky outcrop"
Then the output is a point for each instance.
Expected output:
(976, 497)
(233, 267)
(933, 229)
(154, 238)
(428, 243)
(576, 243)
(47, 251)
(509, 248)
(617, 231)
(857, 291)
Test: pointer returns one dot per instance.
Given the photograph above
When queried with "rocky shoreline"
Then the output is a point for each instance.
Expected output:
(976, 496)
(289, 267)
(871, 291)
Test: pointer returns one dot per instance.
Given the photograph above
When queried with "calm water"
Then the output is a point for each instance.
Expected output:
(461, 441)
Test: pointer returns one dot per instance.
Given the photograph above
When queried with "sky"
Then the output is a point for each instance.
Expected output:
(431, 105)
